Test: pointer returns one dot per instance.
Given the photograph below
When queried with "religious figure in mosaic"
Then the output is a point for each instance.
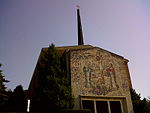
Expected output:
(87, 72)
(111, 73)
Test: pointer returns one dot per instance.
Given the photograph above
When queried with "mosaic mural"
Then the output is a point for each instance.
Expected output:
(97, 72)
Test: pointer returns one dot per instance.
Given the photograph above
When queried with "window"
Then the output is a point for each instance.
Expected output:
(88, 104)
(103, 105)
(115, 106)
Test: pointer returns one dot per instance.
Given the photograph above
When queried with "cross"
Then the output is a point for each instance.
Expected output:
(77, 6)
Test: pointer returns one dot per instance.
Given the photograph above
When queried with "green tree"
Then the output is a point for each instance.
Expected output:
(54, 85)
(17, 101)
(2, 87)
(139, 105)
(2, 81)
(3, 92)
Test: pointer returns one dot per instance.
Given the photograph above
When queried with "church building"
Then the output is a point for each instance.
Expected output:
(100, 80)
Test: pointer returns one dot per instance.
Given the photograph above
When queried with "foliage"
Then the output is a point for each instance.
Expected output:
(2, 80)
(54, 85)
(19, 99)
(16, 101)
(139, 105)
(3, 92)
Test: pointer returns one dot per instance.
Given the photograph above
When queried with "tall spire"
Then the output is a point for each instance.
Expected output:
(80, 34)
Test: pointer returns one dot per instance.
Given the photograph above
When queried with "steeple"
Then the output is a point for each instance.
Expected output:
(80, 33)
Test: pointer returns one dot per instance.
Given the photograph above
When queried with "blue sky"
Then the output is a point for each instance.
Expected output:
(118, 26)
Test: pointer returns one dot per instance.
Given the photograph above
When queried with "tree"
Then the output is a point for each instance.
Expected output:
(2, 80)
(139, 105)
(54, 90)
(17, 101)
(3, 92)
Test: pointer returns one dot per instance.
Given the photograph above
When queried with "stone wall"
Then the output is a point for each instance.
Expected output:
(96, 72)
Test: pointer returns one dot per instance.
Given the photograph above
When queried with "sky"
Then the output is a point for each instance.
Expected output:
(119, 26)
